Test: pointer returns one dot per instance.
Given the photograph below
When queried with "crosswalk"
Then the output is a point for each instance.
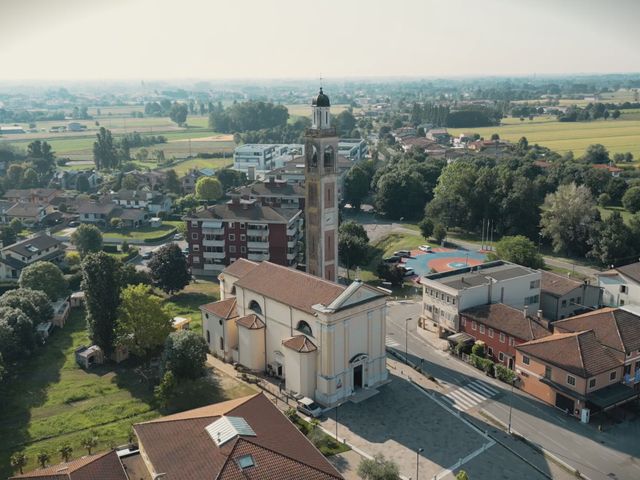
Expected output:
(391, 343)
(470, 396)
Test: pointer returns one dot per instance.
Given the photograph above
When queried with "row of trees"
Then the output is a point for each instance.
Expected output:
(248, 116)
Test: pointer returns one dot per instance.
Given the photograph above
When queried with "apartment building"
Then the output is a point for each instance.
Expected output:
(220, 234)
(563, 297)
(620, 286)
(264, 157)
(274, 192)
(446, 294)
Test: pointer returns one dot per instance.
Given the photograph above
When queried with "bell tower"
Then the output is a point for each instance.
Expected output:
(321, 178)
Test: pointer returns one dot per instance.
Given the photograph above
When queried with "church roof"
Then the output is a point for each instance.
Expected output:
(321, 100)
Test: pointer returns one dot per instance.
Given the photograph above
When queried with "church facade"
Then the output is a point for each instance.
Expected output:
(321, 183)
(326, 341)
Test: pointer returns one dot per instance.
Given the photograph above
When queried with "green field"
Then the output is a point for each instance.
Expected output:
(605, 212)
(619, 136)
(52, 401)
(144, 233)
(215, 163)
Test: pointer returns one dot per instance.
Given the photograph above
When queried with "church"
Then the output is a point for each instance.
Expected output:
(325, 340)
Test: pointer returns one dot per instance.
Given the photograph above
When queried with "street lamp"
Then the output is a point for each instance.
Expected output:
(418, 452)
(511, 405)
(406, 340)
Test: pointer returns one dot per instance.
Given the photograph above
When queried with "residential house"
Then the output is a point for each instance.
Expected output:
(620, 286)
(355, 149)
(562, 297)
(152, 201)
(220, 234)
(188, 181)
(247, 437)
(439, 135)
(274, 192)
(292, 172)
(4, 206)
(97, 212)
(325, 340)
(38, 196)
(28, 213)
(611, 169)
(13, 258)
(501, 328)
(153, 179)
(446, 294)
(132, 217)
(76, 127)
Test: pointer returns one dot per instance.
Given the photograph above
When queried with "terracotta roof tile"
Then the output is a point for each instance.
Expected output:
(614, 327)
(225, 309)
(292, 287)
(300, 343)
(576, 352)
(240, 267)
(102, 466)
(507, 319)
(252, 322)
(179, 445)
(557, 285)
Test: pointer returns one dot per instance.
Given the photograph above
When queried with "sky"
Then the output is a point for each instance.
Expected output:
(263, 39)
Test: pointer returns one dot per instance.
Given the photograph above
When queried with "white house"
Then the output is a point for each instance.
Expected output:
(446, 294)
(620, 286)
(13, 258)
(326, 341)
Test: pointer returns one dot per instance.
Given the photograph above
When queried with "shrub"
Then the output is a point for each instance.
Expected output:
(110, 248)
(504, 374)
(483, 364)
(478, 349)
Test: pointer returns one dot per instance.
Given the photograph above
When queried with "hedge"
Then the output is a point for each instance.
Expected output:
(482, 363)
(505, 374)
(166, 236)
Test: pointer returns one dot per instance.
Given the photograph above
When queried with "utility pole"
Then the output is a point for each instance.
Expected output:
(406, 340)
(511, 405)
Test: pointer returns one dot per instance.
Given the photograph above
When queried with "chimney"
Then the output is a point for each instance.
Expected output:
(524, 311)
(540, 315)
(235, 199)
(251, 173)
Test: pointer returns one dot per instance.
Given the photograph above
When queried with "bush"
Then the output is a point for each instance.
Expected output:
(478, 349)
(483, 364)
(110, 248)
(504, 374)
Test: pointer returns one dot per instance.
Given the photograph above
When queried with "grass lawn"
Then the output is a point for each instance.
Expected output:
(605, 212)
(146, 233)
(325, 443)
(187, 302)
(51, 401)
(622, 135)
(215, 163)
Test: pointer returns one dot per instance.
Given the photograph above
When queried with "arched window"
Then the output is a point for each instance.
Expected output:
(233, 290)
(305, 328)
(314, 157)
(329, 157)
(255, 306)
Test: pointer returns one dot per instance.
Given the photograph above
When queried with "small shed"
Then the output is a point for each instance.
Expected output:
(60, 312)
(77, 299)
(44, 329)
(181, 323)
(86, 357)
(120, 354)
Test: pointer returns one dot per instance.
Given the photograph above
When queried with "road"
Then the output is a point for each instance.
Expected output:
(612, 454)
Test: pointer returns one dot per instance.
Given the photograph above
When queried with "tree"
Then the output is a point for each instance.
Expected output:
(143, 323)
(89, 443)
(462, 475)
(101, 283)
(345, 122)
(519, 249)
(30, 179)
(356, 186)
(87, 239)
(14, 176)
(43, 459)
(178, 113)
(631, 199)
(400, 194)
(353, 249)
(613, 242)
(439, 233)
(615, 114)
(390, 273)
(354, 229)
(378, 468)
(19, 460)
(596, 153)
(231, 178)
(65, 452)
(185, 354)
(46, 277)
(604, 199)
(129, 182)
(172, 183)
(209, 189)
(17, 334)
(426, 228)
(7, 236)
(16, 226)
(105, 154)
(568, 216)
(82, 183)
(169, 268)
(165, 390)
(35, 304)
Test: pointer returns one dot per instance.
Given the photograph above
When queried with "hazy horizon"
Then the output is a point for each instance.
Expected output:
(135, 40)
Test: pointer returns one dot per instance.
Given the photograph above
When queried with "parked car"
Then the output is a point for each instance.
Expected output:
(74, 224)
(178, 236)
(309, 407)
(408, 271)
(391, 259)
(425, 248)
(147, 255)
(402, 253)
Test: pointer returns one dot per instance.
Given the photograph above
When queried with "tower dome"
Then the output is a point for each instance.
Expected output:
(322, 100)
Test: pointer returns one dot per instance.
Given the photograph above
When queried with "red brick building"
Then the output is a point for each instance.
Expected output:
(220, 234)
(274, 192)
(501, 328)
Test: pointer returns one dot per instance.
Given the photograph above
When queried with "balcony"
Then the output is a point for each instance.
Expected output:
(258, 257)
(213, 231)
(213, 243)
(259, 245)
(215, 255)
(258, 228)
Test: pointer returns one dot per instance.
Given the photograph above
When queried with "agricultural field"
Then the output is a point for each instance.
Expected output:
(622, 135)
(215, 163)
(53, 401)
